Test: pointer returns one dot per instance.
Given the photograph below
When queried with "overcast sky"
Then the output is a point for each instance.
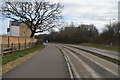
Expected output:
(98, 12)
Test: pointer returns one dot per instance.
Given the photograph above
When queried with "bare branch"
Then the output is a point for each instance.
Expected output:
(37, 16)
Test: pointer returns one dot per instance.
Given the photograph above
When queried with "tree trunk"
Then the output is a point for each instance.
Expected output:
(32, 34)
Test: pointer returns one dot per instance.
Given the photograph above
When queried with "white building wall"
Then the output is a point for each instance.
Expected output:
(14, 31)
(0, 26)
(119, 11)
(3, 27)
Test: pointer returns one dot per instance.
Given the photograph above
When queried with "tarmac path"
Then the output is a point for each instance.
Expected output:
(49, 63)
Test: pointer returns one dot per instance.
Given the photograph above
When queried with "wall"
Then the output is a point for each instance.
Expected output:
(119, 11)
(24, 30)
(14, 31)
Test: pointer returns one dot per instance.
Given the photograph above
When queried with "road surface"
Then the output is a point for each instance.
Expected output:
(63, 61)
(49, 63)
(86, 65)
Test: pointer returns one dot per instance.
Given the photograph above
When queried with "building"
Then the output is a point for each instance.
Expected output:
(24, 31)
(18, 29)
(119, 11)
(13, 29)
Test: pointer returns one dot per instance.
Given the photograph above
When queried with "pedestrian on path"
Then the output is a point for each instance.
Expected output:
(46, 42)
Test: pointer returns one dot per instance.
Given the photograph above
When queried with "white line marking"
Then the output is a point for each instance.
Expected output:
(68, 64)
(93, 73)
(97, 63)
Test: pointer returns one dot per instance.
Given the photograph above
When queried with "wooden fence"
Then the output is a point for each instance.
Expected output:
(16, 47)
(10, 44)
(14, 39)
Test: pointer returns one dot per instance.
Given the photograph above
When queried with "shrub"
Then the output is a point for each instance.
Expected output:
(39, 41)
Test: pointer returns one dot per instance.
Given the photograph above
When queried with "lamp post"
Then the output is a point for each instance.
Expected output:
(111, 25)
(111, 21)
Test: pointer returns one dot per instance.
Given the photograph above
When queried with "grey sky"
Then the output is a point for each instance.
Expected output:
(98, 12)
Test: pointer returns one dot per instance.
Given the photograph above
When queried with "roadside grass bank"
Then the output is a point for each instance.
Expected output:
(101, 46)
(13, 56)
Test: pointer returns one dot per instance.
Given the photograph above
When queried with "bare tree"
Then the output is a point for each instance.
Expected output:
(38, 16)
(111, 34)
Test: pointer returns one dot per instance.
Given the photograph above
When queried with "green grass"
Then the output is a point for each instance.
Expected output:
(16, 55)
(101, 46)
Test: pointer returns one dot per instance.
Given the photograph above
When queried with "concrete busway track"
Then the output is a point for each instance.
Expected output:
(111, 54)
(85, 65)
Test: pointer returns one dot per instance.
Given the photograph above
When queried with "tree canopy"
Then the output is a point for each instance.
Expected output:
(38, 16)
(72, 34)
(86, 34)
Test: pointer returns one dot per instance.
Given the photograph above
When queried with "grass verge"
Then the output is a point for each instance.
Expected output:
(16, 55)
(100, 46)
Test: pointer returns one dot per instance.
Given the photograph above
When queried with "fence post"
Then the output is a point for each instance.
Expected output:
(8, 41)
(32, 44)
(25, 45)
(29, 44)
(2, 49)
(19, 46)
(12, 48)
(18, 43)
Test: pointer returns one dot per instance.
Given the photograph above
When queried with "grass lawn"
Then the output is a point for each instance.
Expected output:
(101, 46)
(16, 55)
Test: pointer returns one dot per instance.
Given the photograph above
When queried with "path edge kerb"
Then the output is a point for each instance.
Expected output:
(67, 63)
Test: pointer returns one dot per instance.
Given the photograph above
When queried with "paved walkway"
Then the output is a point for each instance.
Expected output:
(49, 63)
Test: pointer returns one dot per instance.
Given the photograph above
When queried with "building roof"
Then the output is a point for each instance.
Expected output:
(15, 23)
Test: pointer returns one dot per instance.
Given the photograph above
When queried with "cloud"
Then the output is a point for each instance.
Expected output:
(97, 12)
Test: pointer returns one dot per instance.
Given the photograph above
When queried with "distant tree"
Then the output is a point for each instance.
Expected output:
(88, 32)
(111, 34)
(72, 34)
(38, 16)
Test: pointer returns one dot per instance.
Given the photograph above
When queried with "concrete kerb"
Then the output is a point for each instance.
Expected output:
(71, 68)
